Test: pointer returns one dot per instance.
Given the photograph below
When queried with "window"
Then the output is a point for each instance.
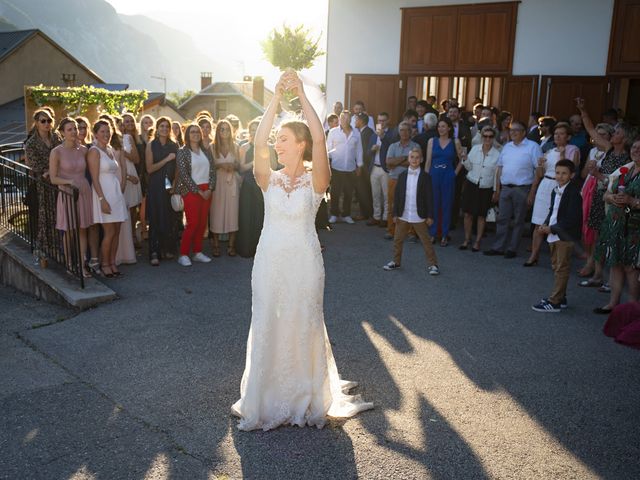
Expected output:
(220, 109)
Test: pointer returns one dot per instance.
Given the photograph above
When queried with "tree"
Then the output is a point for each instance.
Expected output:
(179, 98)
(291, 48)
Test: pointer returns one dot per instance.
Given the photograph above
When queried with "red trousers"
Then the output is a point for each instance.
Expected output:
(196, 209)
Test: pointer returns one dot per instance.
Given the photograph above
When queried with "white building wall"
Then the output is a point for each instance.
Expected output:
(553, 37)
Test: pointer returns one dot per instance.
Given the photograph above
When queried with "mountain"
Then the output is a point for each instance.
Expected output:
(119, 48)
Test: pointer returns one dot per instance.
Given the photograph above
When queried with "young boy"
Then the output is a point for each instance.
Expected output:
(563, 227)
(412, 207)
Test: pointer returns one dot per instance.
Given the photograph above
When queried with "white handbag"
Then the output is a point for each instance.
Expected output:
(177, 203)
(492, 215)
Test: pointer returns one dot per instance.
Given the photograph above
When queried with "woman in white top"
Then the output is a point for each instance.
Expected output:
(545, 182)
(195, 181)
(481, 164)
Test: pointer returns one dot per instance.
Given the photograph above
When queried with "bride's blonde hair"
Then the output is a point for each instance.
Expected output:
(303, 134)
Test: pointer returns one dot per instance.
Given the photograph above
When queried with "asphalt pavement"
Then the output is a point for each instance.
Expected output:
(468, 382)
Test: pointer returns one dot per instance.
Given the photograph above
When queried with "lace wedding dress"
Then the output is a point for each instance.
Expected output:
(290, 375)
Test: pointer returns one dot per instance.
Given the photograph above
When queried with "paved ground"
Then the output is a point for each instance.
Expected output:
(468, 382)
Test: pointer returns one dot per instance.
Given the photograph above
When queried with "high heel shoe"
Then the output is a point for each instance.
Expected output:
(530, 263)
(106, 274)
(115, 271)
(94, 266)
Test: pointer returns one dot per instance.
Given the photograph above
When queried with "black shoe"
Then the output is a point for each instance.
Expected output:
(509, 254)
(493, 253)
(602, 311)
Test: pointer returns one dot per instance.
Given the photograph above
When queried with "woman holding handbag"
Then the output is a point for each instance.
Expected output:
(195, 182)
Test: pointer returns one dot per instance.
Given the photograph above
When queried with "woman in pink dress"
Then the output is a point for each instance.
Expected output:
(225, 207)
(67, 169)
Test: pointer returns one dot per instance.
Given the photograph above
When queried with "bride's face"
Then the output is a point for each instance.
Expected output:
(288, 148)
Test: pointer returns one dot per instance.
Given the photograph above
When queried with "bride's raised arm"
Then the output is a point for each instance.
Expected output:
(261, 153)
(321, 172)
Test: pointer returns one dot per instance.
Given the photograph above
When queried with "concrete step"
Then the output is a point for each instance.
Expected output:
(52, 284)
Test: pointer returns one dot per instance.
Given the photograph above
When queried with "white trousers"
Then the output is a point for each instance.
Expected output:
(379, 187)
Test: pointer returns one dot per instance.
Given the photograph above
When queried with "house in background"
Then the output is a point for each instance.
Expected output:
(29, 57)
(157, 105)
(524, 56)
(244, 99)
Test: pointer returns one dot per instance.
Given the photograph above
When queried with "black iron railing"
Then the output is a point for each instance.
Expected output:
(29, 208)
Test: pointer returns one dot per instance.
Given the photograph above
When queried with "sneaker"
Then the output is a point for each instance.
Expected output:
(201, 257)
(546, 307)
(333, 219)
(348, 220)
(184, 261)
(563, 303)
(433, 270)
(391, 266)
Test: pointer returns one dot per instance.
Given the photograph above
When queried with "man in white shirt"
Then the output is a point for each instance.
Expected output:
(345, 154)
(515, 175)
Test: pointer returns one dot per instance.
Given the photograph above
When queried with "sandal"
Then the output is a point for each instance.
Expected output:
(585, 273)
(215, 251)
(476, 247)
(590, 283)
(115, 271)
(108, 274)
(464, 246)
(231, 251)
(605, 288)
(444, 242)
(94, 266)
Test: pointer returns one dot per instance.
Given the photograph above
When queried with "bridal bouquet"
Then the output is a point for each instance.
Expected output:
(291, 48)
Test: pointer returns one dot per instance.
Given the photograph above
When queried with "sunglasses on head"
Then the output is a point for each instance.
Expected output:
(46, 120)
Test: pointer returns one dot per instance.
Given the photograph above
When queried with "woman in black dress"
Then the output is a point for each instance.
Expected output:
(160, 158)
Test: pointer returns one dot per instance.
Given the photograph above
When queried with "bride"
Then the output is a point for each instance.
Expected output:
(290, 375)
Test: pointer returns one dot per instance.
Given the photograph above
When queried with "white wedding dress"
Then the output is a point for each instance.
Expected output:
(290, 375)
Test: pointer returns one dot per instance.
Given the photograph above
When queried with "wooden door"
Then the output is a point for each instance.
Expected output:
(624, 43)
(519, 96)
(558, 94)
(380, 93)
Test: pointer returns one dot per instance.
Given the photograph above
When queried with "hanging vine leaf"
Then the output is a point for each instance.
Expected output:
(75, 100)
(291, 48)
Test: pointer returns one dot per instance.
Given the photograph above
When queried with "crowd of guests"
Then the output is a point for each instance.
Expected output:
(176, 185)
(171, 184)
(576, 181)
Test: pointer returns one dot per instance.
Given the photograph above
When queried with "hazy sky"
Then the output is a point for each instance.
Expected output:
(231, 31)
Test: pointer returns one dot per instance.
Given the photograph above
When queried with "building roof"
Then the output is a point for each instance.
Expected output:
(230, 89)
(12, 127)
(11, 41)
(112, 87)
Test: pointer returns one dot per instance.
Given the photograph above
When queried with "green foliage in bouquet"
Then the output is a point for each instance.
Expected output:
(291, 48)
(76, 99)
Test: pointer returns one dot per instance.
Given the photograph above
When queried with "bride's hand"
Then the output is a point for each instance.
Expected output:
(293, 82)
(281, 86)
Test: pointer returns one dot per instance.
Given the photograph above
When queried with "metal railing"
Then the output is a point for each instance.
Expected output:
(29, 208)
